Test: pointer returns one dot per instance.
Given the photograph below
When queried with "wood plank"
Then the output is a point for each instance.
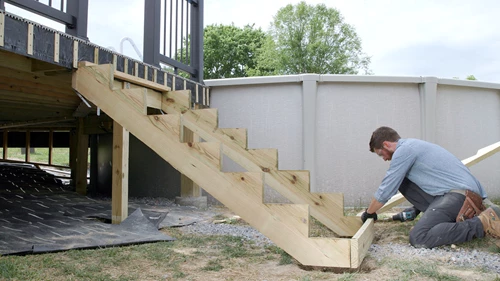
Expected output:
(361, 242)
(119, 198)
(96, 57)
(235, 135)
(236, 191)
(294, 185)
(27, 147)
(5, 142)
(2, 28)
(73, 143)
(36, 122)
(137, 96)
(266, 158)
(29, 47)
(482, 154)
(176, 101)
(201, 122)
(207, 152)
(51, 146)
(188, 187)
(75, 54)
(153, 99)
(81, 159)
(169, 124)
(295, 216)
(56, 47)
(22, 83)
(11, 61)
(140, 81)
(49, 69)
(125, 65)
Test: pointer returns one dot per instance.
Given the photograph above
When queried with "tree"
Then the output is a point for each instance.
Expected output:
(230, 51)
(469, 77)
(313, 39)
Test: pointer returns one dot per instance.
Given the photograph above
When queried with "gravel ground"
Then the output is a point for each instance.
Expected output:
(445, 255)
(453, 256)
(243, 231)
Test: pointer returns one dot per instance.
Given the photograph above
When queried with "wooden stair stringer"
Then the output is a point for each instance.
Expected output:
(331, 215)
(287, 225)
(241, 192)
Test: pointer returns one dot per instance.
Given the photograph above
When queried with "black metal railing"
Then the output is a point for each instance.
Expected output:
(173, 35)
(72, 13)
(173, 29)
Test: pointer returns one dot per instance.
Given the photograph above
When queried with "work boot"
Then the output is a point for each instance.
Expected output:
(490, 218)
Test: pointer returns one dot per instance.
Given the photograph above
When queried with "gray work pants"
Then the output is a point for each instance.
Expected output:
(438, 226)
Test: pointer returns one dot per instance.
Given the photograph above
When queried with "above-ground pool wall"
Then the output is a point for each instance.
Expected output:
(467, 119)
(323, 123)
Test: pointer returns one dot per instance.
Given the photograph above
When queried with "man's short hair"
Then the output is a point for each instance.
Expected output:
(382, 134)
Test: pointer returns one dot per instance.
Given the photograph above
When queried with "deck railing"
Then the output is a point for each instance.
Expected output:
(173, 29)
(72, 13)
(173, 35)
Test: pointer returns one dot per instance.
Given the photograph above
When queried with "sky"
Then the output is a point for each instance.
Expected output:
(445, 38)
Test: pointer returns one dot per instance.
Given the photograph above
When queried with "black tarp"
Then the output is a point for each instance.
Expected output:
(39, 214)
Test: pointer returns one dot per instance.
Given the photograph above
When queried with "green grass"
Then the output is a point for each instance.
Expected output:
(60, 156)
(285, 258)
(416, 270)
(213, 265)
(137, 262)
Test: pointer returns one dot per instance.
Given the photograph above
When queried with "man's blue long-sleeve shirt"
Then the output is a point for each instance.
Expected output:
(434, 169)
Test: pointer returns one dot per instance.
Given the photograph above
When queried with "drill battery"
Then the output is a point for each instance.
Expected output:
(408, 214)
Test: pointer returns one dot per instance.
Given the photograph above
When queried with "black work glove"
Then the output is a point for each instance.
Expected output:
(366, 216)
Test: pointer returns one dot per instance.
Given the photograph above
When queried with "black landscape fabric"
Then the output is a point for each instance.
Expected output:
(38, 214)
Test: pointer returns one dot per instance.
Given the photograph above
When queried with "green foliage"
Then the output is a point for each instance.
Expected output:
(60, 156)
(469, 77)
(230, 51)
(314, 39)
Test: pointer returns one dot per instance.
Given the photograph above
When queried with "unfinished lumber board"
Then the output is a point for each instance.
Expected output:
(206, 151)
(152, 99)
(481, 154)
(138, 97)
(176, 101)
(169, 123)
(188, 187)
(5, 140)
(266, 158)
(119, 196)
(140, 81)
(201, 121)
(82, 145)
(2, 29)
(295, 215)
(360, 243)
(235, 135)
(327, 209)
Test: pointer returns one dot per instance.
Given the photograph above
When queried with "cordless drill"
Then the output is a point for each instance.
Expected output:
(408, 214)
